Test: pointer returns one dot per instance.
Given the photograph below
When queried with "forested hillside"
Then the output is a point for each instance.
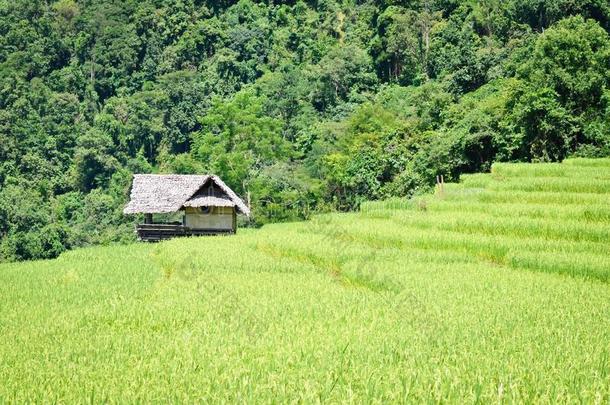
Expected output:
(303, 105)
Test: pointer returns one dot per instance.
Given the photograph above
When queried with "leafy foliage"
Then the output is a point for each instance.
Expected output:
(301, 106)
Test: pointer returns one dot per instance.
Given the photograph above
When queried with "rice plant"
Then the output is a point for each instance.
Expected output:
(495, 290)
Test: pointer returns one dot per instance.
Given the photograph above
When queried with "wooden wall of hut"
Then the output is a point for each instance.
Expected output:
(213, 218)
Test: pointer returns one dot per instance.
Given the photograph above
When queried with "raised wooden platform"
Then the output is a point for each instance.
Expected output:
(157, 232)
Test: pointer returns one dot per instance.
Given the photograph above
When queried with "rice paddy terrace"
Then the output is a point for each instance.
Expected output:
(493, 289)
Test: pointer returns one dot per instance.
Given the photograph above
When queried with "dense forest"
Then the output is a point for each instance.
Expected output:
(303, 105)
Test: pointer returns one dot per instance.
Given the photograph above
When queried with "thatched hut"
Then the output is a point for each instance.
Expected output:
(210, 207)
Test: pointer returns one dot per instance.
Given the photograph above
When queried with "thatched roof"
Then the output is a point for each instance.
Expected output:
(160, 193)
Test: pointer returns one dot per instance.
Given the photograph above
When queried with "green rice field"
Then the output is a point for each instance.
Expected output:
(496, 289)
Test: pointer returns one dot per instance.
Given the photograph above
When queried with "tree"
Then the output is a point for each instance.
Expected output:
(94, 162)
(561, 88)
(344, 72)
(237, 139)
(405, 40)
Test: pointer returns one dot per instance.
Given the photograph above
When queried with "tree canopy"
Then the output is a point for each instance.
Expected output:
(302, 105)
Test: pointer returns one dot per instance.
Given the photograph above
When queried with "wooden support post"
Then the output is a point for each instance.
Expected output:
(440, 185)
(148, 218)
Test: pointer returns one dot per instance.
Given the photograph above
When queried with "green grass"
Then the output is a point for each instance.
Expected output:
(496, 290)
